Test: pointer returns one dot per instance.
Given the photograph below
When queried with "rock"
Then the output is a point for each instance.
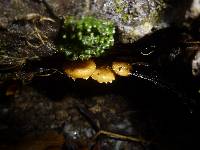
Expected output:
(194, 10)
(17, 9)
(33, 113)
(26, 31)
(134, 18)
(62, 8)
(196, 64)
(50, 140)
(35, 38)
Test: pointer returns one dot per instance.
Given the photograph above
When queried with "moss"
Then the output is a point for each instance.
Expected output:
(86, 37)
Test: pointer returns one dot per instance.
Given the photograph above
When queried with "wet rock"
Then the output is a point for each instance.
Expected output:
(34, 113)
(18, 9)
(27, 32)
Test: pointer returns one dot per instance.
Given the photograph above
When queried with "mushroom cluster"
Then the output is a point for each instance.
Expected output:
(102, 74)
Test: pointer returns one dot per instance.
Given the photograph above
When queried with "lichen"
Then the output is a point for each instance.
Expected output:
(120, 8)
(86, 37)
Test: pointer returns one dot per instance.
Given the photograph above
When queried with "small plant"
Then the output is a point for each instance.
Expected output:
(86, 37)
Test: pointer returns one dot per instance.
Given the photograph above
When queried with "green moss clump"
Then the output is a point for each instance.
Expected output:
(86, 37)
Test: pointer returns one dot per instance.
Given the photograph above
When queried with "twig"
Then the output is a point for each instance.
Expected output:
(118, 136)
